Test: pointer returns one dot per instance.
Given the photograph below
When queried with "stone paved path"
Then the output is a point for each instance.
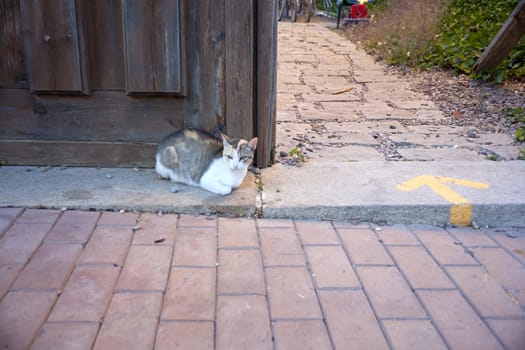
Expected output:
(336, 102)
(83, 280)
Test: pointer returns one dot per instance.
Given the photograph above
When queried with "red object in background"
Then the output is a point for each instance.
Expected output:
(359, 11)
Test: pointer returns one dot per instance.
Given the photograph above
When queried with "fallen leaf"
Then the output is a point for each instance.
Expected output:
(342, 91)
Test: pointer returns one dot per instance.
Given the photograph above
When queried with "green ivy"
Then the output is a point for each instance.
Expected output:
(466, 31)
(516, 116)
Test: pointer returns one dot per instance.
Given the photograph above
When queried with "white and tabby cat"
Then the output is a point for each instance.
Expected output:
(195, 158)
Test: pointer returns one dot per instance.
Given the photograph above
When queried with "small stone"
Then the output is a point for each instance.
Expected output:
(512, 235)
(472, 134)
(392, 127)
(457, 242)
(63, 209)
(283, 154)
(475, 225)
(122, 211)
(109, 176)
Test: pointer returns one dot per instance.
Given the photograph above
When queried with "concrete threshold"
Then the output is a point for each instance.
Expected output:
(116, 189)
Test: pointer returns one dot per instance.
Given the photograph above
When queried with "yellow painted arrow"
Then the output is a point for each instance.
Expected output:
(461, 209)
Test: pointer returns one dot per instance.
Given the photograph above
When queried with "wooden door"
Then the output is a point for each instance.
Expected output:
(152, 47)
(54, 46)
(99, 83)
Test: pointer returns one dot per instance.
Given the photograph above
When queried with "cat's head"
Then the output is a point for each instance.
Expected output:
(238, 153)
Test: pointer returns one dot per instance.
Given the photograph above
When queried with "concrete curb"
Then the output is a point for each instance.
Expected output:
(340, 191)
(372, 192)
(489, 215)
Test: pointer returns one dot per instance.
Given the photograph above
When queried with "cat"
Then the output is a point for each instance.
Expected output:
(196, 158)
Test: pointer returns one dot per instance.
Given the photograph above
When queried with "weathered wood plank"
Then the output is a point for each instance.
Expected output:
(217, 90)
(266, 80)
(240, 65)
(105, 41)
(104, 116)
(152, 46)
(12, 68)
(507, 38)
(205, 56)
(54, 46)
(94, 154)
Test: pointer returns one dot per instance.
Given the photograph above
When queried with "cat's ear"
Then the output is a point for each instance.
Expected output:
(225, 140)
(253, 143)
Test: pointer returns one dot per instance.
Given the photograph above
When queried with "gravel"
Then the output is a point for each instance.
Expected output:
(468, 102)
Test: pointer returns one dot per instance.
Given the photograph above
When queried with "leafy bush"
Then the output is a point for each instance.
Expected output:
(440, 33)
(466, 30)
(516, 116)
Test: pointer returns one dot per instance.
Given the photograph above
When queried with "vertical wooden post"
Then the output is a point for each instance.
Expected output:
(507, 38)
(266, 80)
(240, 68)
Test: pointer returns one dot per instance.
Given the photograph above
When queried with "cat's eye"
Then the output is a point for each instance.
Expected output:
(244, 158)
(229, 157)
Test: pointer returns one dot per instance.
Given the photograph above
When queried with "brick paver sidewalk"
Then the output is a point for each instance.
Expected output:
(81, 280)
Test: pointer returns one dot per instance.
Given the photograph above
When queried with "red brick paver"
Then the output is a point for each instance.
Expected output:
(63, 335)
(419, 267)
(182, 335)
(243, 323)
(88, 280)
(351, 320)
(301, 334)
(73, 227)
(412, 334)
(459, 323)
(364, 247)
(190, 294)
(133, 314)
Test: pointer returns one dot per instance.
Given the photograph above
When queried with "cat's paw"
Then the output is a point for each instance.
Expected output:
(174, 189)
(225, 191)
(222, 189)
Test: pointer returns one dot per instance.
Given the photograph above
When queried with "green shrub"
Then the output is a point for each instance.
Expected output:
(517, 117)
(466, 31)
(440, 33)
